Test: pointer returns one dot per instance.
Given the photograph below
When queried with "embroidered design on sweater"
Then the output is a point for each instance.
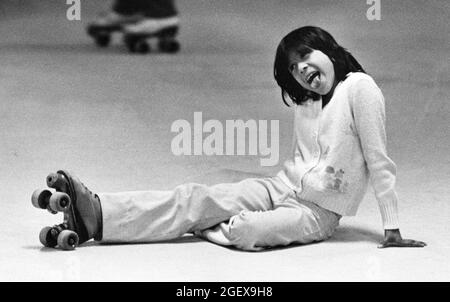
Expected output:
(334, 180)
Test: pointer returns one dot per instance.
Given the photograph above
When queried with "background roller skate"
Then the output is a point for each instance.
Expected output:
(105, 26)
(72, 198)
(164, 31)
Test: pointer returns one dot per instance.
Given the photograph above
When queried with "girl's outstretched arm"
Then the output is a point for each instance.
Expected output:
(393, 238)
(369, 115)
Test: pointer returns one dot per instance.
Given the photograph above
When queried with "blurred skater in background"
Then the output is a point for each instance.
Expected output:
(139, 20)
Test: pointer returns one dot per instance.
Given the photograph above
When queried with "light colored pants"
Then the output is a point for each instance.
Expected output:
(251, 215)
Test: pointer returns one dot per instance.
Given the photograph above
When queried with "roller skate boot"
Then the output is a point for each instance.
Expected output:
(81, 209)
(137, 36)
(101, 30)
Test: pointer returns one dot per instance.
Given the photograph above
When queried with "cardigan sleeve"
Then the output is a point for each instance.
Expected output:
(370, 121)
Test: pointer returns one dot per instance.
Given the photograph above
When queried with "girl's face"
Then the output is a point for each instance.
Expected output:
(314, 71)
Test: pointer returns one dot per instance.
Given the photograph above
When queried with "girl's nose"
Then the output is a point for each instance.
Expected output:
(301, 67)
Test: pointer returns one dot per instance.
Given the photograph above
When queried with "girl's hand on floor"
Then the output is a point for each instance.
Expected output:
(393, 238)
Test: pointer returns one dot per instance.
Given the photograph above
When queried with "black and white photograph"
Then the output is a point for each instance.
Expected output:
(228, 142)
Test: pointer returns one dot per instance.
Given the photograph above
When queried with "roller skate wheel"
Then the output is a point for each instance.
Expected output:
(168, 46)
(102, 40)
(142, 47)
(59, 201)
(40, 198)
(139, 46)
(136, 44)
(68, 240)
(46, 237)
(52, 179)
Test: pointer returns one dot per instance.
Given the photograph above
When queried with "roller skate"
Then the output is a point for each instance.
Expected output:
(81, 208)
(102, 29)
(137, 36)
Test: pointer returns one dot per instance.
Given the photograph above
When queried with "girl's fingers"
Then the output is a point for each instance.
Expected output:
(402, 243)
(415, 243)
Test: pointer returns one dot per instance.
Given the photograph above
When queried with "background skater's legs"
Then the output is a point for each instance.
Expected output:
(149, 8)
(147, 216)
(159, 8)
(127, 7)
(139, 19)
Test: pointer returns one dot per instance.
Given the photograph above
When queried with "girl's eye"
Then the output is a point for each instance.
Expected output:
(303, 52)
(305, 56)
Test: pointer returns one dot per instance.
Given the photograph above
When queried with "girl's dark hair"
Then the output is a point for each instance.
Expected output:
(303, 40)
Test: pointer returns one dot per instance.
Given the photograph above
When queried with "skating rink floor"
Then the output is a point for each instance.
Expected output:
(106, 115)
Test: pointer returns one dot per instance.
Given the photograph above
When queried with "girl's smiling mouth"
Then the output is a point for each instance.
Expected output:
(310, 77)
(313, 79)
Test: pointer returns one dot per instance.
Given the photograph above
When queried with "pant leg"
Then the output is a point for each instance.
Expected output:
(150, 8)
(147, 216)
(158, 8)
(291, 221)
(127, 7)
